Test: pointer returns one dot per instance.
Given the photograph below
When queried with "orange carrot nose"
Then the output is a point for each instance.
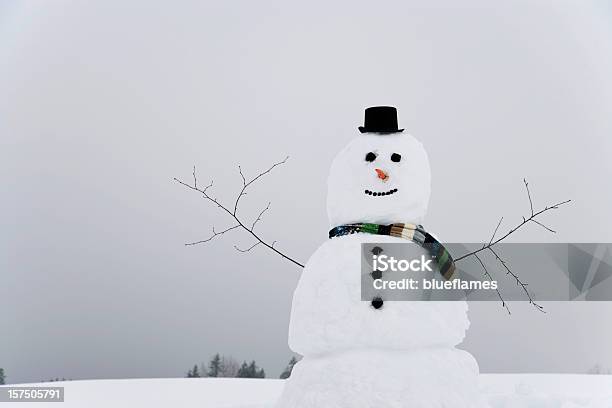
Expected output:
(381, 174)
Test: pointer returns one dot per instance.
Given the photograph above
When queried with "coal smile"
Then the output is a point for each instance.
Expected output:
(382, 193)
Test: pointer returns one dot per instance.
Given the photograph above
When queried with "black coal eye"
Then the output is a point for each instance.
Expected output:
(370, 157)
(396, 157)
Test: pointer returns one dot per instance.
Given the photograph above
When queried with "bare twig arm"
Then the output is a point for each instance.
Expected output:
(531, 218)
(492, 242)
(233, 211)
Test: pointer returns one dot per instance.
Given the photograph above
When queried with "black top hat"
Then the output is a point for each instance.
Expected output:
(380, 119)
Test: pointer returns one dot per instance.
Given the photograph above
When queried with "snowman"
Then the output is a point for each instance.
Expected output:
(375, 353)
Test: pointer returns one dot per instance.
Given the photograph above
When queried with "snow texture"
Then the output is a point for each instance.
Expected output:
(500, 391)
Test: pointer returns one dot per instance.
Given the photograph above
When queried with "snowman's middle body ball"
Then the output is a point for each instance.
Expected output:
(328, 314)
(402, 354)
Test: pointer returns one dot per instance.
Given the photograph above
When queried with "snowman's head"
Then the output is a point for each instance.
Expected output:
(379, 178)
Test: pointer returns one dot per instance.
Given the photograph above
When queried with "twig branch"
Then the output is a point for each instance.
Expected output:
(496, 228)
(248, 249)
(532, 218)
(488, 276)
(232, 212)
(528, 195)
(544, 226)
(246, 184)
(492, 242)
(259, 217)
(522, 284)
(213, 236)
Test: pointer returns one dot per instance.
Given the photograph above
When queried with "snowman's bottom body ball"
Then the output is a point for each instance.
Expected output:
(375, 378)
(400, 355)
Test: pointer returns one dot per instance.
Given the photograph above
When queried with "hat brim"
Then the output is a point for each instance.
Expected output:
(365, 130)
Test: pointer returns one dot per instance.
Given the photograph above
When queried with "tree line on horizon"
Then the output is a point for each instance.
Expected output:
(218, 366)
(226, 366)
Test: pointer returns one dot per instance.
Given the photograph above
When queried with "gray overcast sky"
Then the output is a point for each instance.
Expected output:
(103, 102)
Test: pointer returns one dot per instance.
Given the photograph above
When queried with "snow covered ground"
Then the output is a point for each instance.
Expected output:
(502, 391)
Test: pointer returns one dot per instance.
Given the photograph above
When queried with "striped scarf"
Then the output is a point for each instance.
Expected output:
(411, 232)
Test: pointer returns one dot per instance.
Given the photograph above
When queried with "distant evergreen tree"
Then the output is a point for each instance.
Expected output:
(287, 372)
(261, 373)
(250, 371)
(215, 366)
(243, 371)
(194, 372)
(2, 376)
